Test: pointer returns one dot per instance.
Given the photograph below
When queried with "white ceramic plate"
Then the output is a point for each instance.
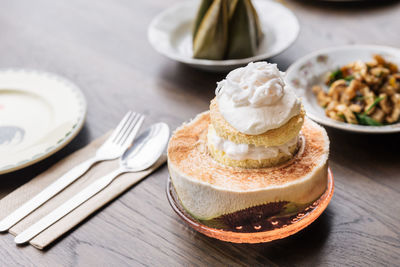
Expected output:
(170, 33)
(311, 69)
(39, 114)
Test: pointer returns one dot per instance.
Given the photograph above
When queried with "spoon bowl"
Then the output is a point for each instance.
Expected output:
(146, 149)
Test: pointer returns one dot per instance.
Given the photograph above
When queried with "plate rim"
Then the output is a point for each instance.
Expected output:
(257, 237)
(387, 129)
(219, 63)
(69, 135)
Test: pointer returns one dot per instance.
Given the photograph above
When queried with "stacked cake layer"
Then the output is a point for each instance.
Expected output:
(233, 148)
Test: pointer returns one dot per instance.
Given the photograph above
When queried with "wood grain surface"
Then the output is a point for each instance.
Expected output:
(102, 46)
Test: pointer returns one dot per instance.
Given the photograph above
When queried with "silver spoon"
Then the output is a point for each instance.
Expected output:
(146, 150)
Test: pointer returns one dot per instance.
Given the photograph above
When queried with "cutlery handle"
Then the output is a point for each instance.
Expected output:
(49, 192)
(66, 208)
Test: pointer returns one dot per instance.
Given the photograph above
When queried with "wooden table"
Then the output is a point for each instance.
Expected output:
(102, 46)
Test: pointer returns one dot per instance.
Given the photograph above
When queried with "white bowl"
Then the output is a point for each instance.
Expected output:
(312, 68)
(170, 33)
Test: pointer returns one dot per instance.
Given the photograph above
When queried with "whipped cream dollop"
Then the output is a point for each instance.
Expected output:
(255, 98)
(247, 151)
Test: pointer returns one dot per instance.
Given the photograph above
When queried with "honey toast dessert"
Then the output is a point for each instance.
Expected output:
(255, 147)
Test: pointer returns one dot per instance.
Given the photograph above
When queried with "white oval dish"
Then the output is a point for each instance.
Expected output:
(39, 114)
(312, 68)
(170, 33)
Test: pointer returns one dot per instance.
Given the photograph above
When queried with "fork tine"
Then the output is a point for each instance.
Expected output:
(126, 126)
(124, 131)
(120, 125)
(129, 129)
(133, 131)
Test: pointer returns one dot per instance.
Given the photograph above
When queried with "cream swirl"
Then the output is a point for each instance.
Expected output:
(255, 98)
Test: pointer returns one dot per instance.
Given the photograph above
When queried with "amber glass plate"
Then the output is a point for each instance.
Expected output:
(262, 227)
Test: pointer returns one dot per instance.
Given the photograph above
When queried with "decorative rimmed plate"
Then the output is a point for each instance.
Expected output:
(257, 230)
(312, 68)
(170, 33)
(39, 114)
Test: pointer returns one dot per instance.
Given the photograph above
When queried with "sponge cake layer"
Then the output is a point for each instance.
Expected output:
(274, 137)
(263, 156)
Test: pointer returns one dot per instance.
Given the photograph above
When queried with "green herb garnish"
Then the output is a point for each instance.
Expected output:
(376, 101)
(338, 75)
(335, 75)
(348, 78)
(364, 119)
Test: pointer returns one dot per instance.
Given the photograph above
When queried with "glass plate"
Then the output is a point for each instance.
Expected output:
(260, 229)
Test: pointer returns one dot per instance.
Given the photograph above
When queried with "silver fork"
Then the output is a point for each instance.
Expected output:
(113, 148)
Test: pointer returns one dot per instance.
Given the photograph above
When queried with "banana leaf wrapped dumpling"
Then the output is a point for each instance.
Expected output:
(211, 30)
(226, 29)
